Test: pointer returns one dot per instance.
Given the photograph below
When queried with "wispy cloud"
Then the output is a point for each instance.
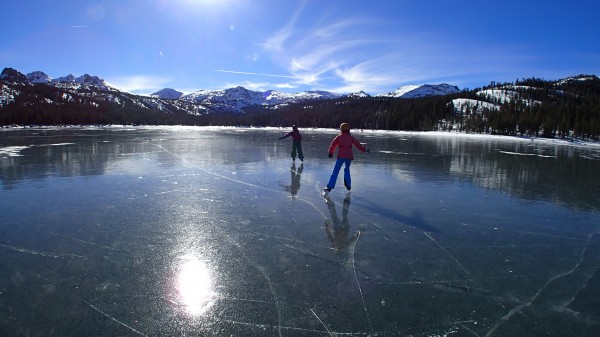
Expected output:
(347, 55)
(333, 55)
(277, 41)
(255, 74)
(262, 86)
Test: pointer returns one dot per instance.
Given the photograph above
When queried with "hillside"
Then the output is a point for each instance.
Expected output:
(567, 108)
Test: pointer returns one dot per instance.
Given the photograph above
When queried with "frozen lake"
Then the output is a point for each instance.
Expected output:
(206, 231)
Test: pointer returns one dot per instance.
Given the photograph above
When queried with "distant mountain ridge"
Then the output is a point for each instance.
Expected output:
(238, 97)
(41, 77)
(225, 100)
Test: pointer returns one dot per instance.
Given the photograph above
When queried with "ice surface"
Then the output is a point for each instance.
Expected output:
(215, 231)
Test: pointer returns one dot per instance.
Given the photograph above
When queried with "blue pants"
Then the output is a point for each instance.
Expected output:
(336, 170)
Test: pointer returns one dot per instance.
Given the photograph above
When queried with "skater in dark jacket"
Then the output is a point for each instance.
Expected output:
(344, 141)
(296, 143)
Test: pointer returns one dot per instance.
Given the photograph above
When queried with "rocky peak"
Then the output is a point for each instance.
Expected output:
(12, 75)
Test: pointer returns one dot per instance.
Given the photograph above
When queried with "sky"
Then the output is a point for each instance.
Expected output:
(343, 46)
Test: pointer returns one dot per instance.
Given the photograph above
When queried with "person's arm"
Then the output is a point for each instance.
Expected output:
(359, 145)
(332, 146)
(287, 135)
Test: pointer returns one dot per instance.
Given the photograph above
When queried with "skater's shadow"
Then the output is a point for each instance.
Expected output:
(294, 186)
(415, 219)
(338, 232)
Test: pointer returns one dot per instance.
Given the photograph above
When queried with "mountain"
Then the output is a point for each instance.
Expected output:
(425, 90)
(66, 79)
(239, 97)
(360, 94)
(84, 100)
(91, 80)
(38, 77)
(273, 97)
(236, 98)
(167, 93)
(12, 75)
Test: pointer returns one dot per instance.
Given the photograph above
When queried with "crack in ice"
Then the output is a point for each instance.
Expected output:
(82, 241)
(45, 254)
(320, 321)
(520, 307)
(269, 282)
(112, 318)
(358, 282)
(448, 253)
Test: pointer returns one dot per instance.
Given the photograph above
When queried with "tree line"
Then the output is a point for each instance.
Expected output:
(538, 108)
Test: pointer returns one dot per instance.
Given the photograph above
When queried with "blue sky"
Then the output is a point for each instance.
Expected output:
(343, 46)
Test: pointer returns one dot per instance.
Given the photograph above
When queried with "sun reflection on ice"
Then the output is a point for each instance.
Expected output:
(194, 285)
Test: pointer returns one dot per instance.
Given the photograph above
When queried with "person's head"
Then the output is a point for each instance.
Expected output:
(294, 127)
(345, 128)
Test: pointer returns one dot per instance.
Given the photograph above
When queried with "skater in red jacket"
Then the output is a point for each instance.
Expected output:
(344, 141)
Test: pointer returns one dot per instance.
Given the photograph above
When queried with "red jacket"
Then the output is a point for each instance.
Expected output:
(345, 141)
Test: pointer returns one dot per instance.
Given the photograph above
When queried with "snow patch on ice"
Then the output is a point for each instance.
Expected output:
(526, 154)
(58, 144)
(12, 151)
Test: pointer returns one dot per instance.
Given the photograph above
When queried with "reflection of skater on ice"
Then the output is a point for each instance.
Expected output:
(295, 181)
(338, 232)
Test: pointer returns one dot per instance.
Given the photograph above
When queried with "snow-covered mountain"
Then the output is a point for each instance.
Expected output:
(84, 80)
(225, 100)
(425, 90)
(273, 97)
(65, 79)
(38, 77)
(236, 98)
(167, 93)
(240, 97)
(91, 80)
(360, 94)
(41, 77)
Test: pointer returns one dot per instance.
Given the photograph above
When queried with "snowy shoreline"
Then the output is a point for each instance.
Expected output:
(576, 142)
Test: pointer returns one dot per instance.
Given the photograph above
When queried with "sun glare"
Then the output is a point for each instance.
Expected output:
(195, 286)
